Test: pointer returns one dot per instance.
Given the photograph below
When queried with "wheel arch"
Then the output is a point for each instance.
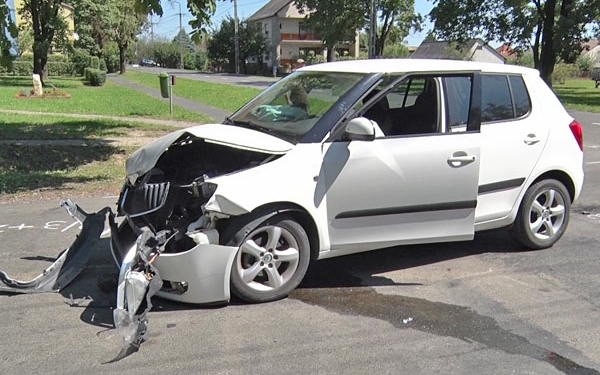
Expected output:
(560, 176)
(238, 227)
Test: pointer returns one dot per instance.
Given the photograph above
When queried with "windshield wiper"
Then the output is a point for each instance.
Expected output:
(249, 125)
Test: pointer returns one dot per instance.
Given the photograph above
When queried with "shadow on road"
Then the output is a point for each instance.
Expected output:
(94, 290)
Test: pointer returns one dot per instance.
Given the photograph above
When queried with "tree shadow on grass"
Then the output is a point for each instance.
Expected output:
(65, 129)
(578, 98)
(26, 168)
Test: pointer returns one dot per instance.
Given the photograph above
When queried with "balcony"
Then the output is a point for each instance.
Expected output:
(301, 37)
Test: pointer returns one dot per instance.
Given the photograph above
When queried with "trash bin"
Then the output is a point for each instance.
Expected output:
(164, 84)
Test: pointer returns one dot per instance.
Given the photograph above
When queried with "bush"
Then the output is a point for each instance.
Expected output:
(22, 68)
(585, 63)
(97, 77)
(87, 74)
(524, 59)
(102, 65)
(80, 60)
(312, 58)
(396, 50)
(189, 61)
(56, 68)
(201, 61)
(563, 71)
(112, 63)
(95, 62)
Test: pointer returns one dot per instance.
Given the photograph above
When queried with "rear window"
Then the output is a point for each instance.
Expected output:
(503, 98)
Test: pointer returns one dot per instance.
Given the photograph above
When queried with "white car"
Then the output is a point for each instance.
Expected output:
(348, 157)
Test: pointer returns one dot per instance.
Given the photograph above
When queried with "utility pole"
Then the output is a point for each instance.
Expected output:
(152, 31)
(373, 30)
(236, 38)
(179, 37)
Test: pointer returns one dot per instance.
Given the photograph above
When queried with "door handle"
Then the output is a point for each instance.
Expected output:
(531, 139)
(460, 158)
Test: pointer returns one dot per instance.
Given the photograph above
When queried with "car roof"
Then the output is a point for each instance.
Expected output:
(416, 65)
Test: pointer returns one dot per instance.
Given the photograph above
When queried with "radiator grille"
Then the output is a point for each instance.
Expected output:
(144, 199)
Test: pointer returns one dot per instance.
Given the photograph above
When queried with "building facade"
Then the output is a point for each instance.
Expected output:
(66, 12)
(284, 27)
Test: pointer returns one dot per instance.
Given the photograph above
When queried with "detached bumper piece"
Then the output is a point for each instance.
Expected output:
(70, 262)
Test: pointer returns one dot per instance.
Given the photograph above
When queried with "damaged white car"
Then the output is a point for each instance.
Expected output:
(342, 158)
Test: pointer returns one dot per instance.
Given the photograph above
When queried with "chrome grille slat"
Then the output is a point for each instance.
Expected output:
(145, 199)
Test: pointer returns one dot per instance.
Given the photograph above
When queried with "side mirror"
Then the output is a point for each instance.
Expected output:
(360, 129)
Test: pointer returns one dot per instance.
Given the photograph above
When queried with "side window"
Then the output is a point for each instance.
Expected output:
(458, 102)
(410, 107)
(520, 96)
(496, 103)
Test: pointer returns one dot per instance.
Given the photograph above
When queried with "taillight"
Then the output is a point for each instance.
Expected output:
(577, 131)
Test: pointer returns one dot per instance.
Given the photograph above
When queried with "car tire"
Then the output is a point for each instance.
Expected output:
(271, 261)
(543, 215)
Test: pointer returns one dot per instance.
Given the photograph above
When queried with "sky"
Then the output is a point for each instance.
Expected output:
(168, 25)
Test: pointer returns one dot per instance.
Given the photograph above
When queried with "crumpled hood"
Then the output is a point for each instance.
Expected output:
(145, 158)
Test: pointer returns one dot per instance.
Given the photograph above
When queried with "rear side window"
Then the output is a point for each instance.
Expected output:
(496, 104)
(458, 100)
(503, 98)
(520, 96)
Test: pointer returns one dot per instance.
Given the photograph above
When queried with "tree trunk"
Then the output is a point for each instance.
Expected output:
(122, 61)
(536, 45)
(548, 54)
(331, 53)
(40, 59)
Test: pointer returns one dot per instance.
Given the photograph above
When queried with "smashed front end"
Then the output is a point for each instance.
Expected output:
(166, 201)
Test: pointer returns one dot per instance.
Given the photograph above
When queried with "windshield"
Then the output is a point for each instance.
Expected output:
(290, 108)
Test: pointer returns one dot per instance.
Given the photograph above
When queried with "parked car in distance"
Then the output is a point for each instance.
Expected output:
(347, 157)
(148, 62)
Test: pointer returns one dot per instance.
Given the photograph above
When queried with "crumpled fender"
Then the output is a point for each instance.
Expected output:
(70, 262)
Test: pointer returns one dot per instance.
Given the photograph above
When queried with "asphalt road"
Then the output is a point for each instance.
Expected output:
(481, 307)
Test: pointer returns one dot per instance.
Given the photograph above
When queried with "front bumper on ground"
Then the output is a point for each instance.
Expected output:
(198, 275)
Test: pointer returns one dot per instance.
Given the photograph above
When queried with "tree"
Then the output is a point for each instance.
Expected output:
(201, 9)
(396, 19)
(334, 20)
(45, 21)
(91, 24)
(126, 22)
(9, 30)
(338, 20)
(183, 38)
(253, 44)
(553, 29)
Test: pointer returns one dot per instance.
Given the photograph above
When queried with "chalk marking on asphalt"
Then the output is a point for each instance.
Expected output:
(591, 146)
(70, 226)
(595, 123)
(592, 162)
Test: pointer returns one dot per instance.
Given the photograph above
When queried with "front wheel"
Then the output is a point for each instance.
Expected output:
(543, 215)
(271, 261)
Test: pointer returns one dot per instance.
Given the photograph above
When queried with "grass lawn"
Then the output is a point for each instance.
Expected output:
(56, 172)
(579, 94)
(227, 97)
(16, 126)
(110, 99)
(47, 171)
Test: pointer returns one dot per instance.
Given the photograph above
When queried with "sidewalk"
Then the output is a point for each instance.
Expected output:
(218, 115)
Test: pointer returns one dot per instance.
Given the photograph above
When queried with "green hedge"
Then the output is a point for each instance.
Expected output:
(25, 68)
(60, 68)
(97, 77)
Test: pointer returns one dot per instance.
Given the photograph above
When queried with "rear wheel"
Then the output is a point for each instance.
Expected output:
(543, 215)
(271, 261)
